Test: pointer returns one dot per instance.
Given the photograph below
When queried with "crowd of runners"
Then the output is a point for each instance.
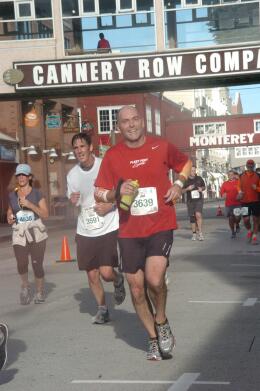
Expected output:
(127, 199)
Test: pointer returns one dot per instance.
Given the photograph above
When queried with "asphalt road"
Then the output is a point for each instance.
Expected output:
(213, 303)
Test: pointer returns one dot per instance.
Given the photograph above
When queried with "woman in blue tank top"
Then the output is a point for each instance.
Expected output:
(26, 208)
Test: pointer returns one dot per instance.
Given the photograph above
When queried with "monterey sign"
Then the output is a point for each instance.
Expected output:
(140, 69)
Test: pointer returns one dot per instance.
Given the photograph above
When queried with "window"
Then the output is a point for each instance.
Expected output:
(125, 5)
(43, 8)
(213, 128)
(70, 8)
(107, 118)
(144, 5)
(246, 152)
(189, 3)
(89, 6)
(101, 7)
(7, 11)
(157, 122)
(257, 125)
(149, 124)
(25, 10)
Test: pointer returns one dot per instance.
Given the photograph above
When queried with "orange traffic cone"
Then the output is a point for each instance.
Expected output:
(219, 211)
(65, 251)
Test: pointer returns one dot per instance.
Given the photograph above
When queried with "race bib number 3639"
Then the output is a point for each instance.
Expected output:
(146, 202)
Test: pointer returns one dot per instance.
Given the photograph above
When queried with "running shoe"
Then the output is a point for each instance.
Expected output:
(249, 236)
(3, 345)
(119, 292)
(165, 337)
(101, 317)
(254, 240)
(194, 237)
(25, 296)
(39, 298)
(200, 236)
(153, 353)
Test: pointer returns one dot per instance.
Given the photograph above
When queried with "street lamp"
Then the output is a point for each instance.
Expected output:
(52, 152)
(70, 155)
(31, 150)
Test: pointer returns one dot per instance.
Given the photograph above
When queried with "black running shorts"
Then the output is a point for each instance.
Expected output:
(194, 206)
(135, 251)
(95, 252)
(253, 209)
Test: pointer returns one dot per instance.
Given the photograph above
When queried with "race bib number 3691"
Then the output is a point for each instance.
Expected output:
(146, 202)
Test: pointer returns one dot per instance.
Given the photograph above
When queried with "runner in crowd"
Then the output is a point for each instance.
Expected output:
(146, 231)
(248, 193)
(194, 187)
(3, 345)
(27, 207)
(97, 228)
(229, 191)
(236, 176)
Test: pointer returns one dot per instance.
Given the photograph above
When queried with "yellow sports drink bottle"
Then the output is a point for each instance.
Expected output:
(127, 199)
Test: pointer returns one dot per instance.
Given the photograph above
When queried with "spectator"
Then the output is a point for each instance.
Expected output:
(103, 43)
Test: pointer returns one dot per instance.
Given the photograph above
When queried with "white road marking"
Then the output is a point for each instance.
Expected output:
(216, 301)
(250, 302)
(122, 382)
(246, 303)
(245, 264)
(183, 383)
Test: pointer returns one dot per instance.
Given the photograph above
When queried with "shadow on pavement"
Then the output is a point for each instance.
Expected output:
(15, 348)
(127, 326)
(86, 301)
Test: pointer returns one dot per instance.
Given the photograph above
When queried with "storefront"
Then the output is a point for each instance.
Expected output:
(8, 162)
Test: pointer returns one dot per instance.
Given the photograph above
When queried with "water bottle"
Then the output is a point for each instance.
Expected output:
(127, 199)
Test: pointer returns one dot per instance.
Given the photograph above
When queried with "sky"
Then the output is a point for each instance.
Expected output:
(250, 97)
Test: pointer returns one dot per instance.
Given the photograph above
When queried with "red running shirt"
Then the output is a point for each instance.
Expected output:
(150, 165)
(230, 189)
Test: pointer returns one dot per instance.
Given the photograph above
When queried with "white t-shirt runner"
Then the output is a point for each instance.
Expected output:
(89, 223)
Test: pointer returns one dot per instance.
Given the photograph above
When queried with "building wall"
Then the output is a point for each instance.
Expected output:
(180, 133)
(169, 111)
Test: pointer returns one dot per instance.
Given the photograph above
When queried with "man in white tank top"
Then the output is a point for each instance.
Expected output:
(97, 227)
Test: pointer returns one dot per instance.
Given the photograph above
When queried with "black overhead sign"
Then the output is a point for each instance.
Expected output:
(139, 69)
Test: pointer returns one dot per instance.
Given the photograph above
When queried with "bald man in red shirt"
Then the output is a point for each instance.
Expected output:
(146, 230)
